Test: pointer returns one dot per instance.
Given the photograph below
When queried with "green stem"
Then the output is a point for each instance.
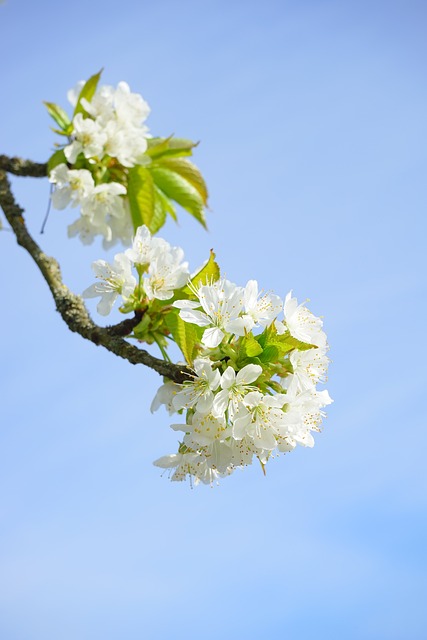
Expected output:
(162, 349)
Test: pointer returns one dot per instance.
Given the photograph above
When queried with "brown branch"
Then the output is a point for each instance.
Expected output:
(125, 327)
(70, 306)
(20, 167)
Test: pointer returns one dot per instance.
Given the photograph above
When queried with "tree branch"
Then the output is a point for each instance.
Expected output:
(20, 167)
(70, 306)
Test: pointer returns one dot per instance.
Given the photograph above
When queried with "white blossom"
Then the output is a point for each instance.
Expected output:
(309, 368)
(164, 396)
(198, 393)
(204, 429)
(303, 415)
(206, 464)
(72, 186)
(222, 304)
(165, 274)
(301, 323)
(130, 107)
(145, 248)
(105, 200)
(73, 94)
(260, 310)
(87, 230)
(89, 139)
(184, 464)
(115, 279)
(234, 388)
(121, 229)
(121, 115)
(259, 418)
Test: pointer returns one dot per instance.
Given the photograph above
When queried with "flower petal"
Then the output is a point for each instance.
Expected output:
(249, 374)
(212, 337)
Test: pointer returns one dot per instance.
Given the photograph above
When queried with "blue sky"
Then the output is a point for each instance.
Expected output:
(311, 117)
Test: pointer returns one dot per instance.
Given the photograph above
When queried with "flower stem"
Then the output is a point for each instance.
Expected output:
(162, 349)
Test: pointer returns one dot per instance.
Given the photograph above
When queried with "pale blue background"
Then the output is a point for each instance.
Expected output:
(312, 121)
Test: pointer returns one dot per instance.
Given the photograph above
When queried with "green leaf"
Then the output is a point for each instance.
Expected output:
(60, 116)
(140, 190)
(180, 190)
(60, 132)
(159, 214)
(55, 159)
(142, 327)
(186, 335)
(166, 203)
(294, 343)
(249, 346)
(271, 342)
(169, 147)
(283, 342)
(148, 203)
(207, 274)
(270, 354)
(87, 92)
(189, 172)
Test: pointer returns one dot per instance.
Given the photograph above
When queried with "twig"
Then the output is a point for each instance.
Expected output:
(20, 167)
(70, 306)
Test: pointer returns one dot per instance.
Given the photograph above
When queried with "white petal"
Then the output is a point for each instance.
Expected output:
(280, 327)
(265, 439)
(179, 427)
(240, 426)
(105, 305)
(204, 404)
(228, 378)
(249, 374)
(91, 292)
(168, 462)
(212, 337)
(186, 304)
(251, 294)
(220, 403)
(195, 317)
(236, 326)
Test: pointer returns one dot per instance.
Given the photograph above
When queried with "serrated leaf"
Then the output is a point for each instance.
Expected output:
(169, 147)
(294, 343)
(180, 190)
(186, 335)
(189, 172)
(55, 159)
(207, 274)
(263, 337)
(87, 92)
(159, 214)
(140, 191)
(284, 342)
(270, 354)
(250, 346)
(60, 116)
(61, 133)
(166, 203)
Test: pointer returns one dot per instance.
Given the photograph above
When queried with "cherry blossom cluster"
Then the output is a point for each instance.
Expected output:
(252, 394)
(103, 208)
(106, 137)
(159, 270)
(256, 360)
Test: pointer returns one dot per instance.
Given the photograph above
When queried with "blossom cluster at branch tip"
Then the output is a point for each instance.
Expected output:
(254, 389)
(111, 133)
